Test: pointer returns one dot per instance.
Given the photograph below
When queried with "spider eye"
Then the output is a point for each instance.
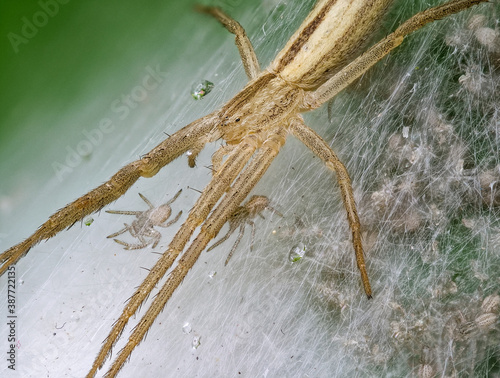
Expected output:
(237, 120)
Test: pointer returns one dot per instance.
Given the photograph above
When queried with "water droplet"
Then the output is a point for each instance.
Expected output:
(297, 252)
(88, 221)
(212, 274)
(201, 89)
(186, 328)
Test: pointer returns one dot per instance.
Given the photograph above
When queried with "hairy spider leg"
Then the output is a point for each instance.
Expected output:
(148, 202)
(219, 184)
(229, 203)
(247, 53)
(238, 239)
(115, 187)
(155, 239)
(171, 201)
(232, 228)
(124, 212)
(317, 145)
(123, 230)
(272, 210)
(218, 156)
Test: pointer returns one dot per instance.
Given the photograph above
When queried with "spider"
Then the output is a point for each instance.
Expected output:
(143, 226)
(320, 60)
(242, 216)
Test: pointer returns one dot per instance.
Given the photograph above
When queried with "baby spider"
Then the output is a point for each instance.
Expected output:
(243, 215)
(143, 226)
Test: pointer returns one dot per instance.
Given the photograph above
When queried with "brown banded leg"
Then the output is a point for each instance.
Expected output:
(114, 188)
(247, 53)
(317, 145)
(209, 197)
(209, 230)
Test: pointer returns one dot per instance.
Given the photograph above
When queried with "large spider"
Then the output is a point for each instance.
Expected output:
(254, 124)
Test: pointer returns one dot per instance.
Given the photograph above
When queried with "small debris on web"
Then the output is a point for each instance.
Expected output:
(196, 342)
(88, 221)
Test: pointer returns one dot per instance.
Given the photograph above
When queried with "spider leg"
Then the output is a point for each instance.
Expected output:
(252, 240)
(247, 53)
(235, 245)
(210, 228)
(169, 202)
(116, 186)
(129, 246)
(147, 201)
(123, 230)
(124, 212)
(274, 211)
(169, 223)
(232, 228)
(315, 143)
(218, 156)
(209, 197)
(193, 153)
(156, 236)
(360, 65)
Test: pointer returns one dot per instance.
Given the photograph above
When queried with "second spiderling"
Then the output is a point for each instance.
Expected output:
(242, 216)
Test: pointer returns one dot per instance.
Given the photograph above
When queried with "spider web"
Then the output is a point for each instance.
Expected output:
(420, 135)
